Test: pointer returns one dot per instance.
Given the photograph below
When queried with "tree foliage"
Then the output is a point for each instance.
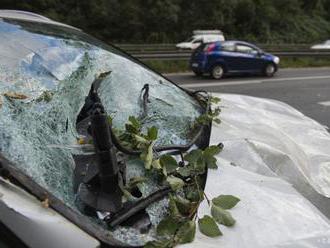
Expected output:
(292, 21)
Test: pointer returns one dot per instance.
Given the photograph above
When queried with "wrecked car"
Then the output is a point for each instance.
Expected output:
(97, 149)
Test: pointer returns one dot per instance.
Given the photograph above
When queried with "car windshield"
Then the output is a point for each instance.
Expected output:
(46, 72)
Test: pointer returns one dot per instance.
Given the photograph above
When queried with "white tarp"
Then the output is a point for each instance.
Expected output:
(274, 157)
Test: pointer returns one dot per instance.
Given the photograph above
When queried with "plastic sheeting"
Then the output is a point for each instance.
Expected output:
(277, 161)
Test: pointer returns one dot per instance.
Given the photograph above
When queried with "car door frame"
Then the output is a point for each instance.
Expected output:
(249, 62)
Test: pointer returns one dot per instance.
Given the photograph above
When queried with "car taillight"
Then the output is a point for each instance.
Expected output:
(209, 48)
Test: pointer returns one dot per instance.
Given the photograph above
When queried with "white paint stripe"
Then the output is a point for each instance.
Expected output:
(298, 78)
(321, 68)
(326, 103)
(198, 85)
(221, 84)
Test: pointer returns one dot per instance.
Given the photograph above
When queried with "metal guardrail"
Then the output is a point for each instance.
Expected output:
(186, 56)
(163, 56)
(171, 47)
(169, 52)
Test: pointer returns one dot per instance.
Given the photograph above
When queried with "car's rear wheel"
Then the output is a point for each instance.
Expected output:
(217, 72)
(269, 70)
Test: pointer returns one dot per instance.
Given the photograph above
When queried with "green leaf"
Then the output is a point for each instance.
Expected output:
(152, 133)
(135, 122)
(184, 206)
(193, 156)
(186, 232)
(172, 207)
(133, 126)
(225, 201)
(200, 165)
(131, 129)
(141, 139)
(204, 119)
(212, 150)
(211, 162)
(159, 244)
(208, 154)
(147, 156)
(164, 171)
(208, 227)
(196, 161)
(175, 183)
(216, 112)
(185, 171)
(222, 216)
(109, 119)
(215, 99)
(167, 227)
(193, 194)
(169, 163)
(156, 164)
(217, 120)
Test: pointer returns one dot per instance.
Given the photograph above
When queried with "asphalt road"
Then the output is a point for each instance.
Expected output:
(307, 90)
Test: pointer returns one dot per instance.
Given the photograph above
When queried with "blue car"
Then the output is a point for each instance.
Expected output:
(232, 57)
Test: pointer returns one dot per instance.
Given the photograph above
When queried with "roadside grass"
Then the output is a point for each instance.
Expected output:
(168, 66)
(173, 66)
(287, 62)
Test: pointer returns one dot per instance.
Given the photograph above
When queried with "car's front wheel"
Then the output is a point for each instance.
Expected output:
(269, 70)
(217, 72)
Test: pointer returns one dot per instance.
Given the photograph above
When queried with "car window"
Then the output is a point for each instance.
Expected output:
(197, 41)
(228, 47)
(245, 49)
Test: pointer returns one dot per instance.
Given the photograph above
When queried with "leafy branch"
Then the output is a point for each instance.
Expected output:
(184, 178)
(211, 115)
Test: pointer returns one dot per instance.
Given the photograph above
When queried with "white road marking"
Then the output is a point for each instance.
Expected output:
(326, 103)
(199, 85)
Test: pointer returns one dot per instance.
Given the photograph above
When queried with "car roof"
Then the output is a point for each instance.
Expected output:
(28, 16)
(240, 42)
(198, 35)
(235, 42)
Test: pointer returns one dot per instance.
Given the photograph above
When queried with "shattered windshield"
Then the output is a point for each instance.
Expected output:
(47, 71)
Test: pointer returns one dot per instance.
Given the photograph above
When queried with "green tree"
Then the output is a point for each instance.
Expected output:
(292, 21)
